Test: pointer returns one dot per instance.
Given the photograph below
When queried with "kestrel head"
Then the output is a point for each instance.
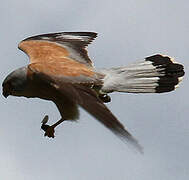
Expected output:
(15, 83)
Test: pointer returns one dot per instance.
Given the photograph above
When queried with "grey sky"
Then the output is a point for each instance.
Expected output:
(128, 30)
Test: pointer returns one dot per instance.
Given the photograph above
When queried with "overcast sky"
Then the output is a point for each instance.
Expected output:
(129, 30)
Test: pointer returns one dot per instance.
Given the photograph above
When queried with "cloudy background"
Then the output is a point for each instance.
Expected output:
(128, 30)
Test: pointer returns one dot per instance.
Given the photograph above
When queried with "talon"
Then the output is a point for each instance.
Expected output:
(49, 130)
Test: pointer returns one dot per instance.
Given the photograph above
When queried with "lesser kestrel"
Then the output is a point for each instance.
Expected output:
(61, 71)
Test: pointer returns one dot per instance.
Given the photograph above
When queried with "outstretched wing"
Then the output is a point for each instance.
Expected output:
(63, 46)
(61, 55)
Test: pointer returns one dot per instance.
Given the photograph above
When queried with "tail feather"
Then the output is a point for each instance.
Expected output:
(155, 74)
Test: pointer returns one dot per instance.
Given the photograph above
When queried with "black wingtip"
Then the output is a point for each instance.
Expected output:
(133, 144)
(170, 72)
(127, 138)
(58, 36)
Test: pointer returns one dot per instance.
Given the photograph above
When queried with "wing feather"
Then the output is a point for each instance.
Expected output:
(67, 73)
(58, 46)
(88, 99)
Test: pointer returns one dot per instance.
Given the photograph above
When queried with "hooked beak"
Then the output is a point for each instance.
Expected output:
(5, 94)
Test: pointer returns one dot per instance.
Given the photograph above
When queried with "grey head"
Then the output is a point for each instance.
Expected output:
(15, 83)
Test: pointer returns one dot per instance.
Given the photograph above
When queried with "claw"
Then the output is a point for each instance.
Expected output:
(50, 132)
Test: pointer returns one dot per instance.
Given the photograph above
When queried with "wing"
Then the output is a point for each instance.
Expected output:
(86, 97)
(58, 47)
(66, 72)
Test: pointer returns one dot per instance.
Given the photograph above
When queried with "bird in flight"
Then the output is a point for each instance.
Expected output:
(61, 71)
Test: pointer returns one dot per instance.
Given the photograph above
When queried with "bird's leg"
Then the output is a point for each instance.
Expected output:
(49, 130)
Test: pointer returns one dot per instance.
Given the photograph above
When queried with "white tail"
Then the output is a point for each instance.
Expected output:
(155, 74)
